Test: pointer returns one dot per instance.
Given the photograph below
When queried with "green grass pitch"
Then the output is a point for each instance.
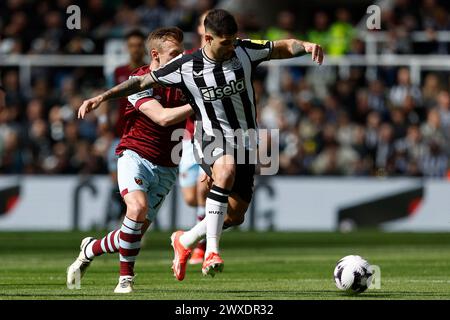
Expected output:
(265, 265)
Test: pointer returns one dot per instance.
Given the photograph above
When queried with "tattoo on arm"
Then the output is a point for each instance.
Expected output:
(285, 49)
(128, 87)
(298, 49)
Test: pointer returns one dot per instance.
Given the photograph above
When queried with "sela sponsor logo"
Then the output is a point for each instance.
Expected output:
(217, 93)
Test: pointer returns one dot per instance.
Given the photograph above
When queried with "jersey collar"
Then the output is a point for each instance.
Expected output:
(215, 61)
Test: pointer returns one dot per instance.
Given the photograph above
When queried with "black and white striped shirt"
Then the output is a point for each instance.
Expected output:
(221, 93)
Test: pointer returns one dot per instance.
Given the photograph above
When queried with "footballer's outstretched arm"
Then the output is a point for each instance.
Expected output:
(291, 48)
(124, 89)
(165, 116)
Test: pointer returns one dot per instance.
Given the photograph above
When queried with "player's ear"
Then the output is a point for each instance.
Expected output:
(208, 37)
(154, 55)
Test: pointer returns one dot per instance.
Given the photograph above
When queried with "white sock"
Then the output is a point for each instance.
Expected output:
(88, 251)
(216, 208)
(189, 238)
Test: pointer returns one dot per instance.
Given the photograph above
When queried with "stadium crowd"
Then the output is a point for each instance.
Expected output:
(329, 125)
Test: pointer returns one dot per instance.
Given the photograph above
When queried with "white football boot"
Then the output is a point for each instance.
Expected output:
(78, 268)
(125, 284)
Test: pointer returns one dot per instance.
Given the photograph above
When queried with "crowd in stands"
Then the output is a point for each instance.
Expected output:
(329, 124)
(39, 26)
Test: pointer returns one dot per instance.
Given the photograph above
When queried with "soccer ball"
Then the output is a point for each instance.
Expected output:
(353, 274)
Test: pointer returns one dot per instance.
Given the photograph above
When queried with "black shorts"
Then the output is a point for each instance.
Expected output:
(244, 180)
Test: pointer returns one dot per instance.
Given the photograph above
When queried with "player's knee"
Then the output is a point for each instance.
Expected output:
(136, 210)
(190, 199)
(225, 176)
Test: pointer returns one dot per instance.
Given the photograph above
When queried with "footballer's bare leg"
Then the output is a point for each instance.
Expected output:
(190, 195)
(130, 238)
(237, 207)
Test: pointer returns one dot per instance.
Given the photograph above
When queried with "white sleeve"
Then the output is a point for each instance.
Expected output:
(170, 73)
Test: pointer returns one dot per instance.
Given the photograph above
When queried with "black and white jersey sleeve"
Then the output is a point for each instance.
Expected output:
(170, 73)
(257, 50)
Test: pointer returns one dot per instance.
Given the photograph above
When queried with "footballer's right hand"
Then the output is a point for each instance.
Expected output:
(89, 105)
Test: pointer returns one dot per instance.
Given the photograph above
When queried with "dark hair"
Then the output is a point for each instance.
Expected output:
(221, 23)
(135, 33)
(201, 19)
(157, 36)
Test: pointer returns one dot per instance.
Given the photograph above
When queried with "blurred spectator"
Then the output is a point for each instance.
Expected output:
(431, 130)
(376, 97)
(319, 33)
(125, 19)
(443, 106)
(151, 14)
(175, 15)
(285, 27)
(358, 144)
(100, 23)
(346, 96)
(341, 33)
(14, 98)
(412, 145)
(403, 89)
(49, 41)
(406, 14)
(12, 156)
(58, 161)
(331, 107)
(344, 134)
(335, 160)
(362, 106)
(372, 128)
(441, 21)
(430, 90)
(428, 14)
(384, 147)
(399, 124)
(435, 162)
(357, 47)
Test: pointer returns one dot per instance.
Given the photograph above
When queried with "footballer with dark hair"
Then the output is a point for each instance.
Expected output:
(217, 80)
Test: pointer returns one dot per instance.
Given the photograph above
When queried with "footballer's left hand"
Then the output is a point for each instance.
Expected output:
(315, 50)
(89, 105)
